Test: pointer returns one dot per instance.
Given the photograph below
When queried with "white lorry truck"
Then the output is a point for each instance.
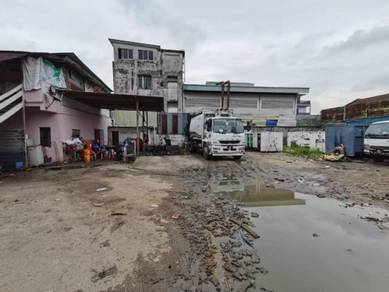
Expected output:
(376, 142)
(216, 133)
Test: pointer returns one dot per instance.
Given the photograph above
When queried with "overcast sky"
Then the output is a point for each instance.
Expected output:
(338, 48)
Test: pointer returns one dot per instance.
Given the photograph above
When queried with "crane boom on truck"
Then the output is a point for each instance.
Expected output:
(217, 133)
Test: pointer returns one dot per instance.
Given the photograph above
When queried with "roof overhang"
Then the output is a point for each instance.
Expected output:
(247, 89)
(116, 101)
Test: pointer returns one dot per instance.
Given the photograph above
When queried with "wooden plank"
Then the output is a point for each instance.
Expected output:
(245, 227)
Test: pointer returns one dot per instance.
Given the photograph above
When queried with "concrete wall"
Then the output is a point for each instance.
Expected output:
(250, 106)
(311, 139)
(167, 67)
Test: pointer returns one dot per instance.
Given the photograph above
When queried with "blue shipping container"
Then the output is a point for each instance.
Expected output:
(350, 136)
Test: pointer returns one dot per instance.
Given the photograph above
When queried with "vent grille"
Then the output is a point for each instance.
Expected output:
(278, 103)
(203, 102)
(244, 102)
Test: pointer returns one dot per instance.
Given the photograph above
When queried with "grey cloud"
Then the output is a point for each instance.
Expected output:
(155, 16)
(377, 82)
(362, 39)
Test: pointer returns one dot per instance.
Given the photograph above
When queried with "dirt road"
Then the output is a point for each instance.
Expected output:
(356, 180)
(153, 225)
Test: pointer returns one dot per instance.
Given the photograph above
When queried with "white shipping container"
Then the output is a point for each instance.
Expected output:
(271, 142)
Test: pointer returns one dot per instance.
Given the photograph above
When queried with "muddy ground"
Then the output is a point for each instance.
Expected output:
(153, 225)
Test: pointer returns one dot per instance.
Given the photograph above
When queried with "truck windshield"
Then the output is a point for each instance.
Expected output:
(225, 126)
(377, 130)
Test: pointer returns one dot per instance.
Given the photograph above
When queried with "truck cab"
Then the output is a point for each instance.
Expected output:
(224, 136)
(217, 134)
(376, 142)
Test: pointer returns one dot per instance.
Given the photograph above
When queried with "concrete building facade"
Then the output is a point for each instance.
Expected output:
(256, 104)
(149, 70)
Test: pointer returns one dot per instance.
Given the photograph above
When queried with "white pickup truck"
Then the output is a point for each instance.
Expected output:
(216, 134)
(376, 142)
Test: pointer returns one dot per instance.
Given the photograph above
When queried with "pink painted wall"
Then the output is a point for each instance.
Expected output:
(61, 125)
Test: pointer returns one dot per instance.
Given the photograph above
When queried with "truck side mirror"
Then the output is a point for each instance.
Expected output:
(209, 125)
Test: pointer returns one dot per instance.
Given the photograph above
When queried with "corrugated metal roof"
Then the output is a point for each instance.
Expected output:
(65, 57)
(370, 99)
(145, 45)
(131, 43)
(247, 89)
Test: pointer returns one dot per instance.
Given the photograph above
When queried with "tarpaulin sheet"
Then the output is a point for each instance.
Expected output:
(36, 70)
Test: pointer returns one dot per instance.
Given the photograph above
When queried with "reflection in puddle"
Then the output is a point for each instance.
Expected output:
(254, 193)
(319, 246)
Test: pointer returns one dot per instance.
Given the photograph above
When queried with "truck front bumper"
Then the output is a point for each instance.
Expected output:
(227, 150)
(377, 152)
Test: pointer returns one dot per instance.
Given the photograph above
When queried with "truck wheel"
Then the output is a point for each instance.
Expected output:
(237, 157)
(191, 148)
(206, 153)
(378, 158)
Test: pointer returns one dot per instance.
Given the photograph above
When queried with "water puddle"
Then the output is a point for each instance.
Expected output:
(254, 193)
(313, 244)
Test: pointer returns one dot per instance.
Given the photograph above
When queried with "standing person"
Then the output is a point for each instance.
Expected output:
(86, 154)
(96, 147)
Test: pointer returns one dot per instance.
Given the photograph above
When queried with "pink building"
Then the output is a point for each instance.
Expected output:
(35, 109)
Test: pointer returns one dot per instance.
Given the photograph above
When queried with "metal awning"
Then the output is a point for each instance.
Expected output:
(116, 101)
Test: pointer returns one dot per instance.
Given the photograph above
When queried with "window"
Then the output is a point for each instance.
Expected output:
(125, 53)
(144, 82)
(225, 126)
(377, 130)
(145, 55)
(45, 136)
(76, 133)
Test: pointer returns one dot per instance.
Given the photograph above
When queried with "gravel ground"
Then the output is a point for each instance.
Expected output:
(153, 225)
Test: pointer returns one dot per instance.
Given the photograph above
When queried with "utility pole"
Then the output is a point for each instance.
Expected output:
(225, 94)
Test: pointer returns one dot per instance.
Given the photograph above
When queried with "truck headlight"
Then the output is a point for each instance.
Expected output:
(366, 146)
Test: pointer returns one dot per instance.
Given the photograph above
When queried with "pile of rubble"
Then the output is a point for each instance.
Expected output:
(220, 235)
